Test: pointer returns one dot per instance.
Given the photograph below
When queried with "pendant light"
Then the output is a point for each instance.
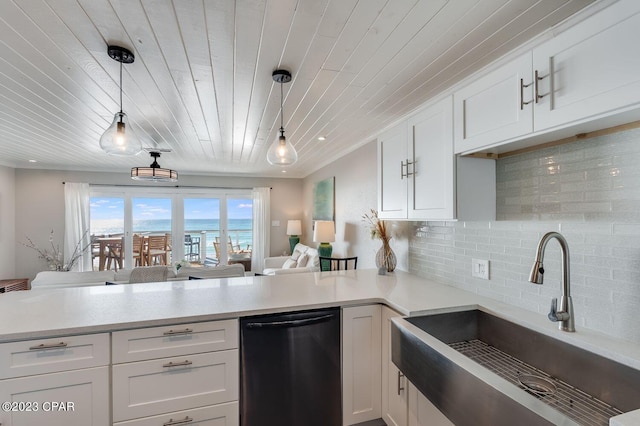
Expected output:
(154, 173)
(281, 152)
(119, 139)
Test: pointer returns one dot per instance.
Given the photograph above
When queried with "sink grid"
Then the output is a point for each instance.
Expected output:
(574, 403)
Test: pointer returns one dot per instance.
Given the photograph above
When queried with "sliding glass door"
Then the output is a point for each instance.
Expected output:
(202, 227)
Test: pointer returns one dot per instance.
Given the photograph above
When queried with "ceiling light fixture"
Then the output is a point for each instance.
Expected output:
(281, 152)
(118, 139)
(154, 173)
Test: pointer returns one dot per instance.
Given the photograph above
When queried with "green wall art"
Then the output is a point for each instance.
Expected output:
(323, 199)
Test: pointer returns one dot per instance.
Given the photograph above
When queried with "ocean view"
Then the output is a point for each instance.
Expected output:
(240, 230)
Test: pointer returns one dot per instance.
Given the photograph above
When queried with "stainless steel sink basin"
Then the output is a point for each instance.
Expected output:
(479, 369)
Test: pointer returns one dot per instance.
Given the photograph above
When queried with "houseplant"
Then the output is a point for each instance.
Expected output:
(385, 257)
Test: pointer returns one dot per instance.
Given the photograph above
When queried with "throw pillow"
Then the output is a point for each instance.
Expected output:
(289, 263)
(295, 255)
(303, 260)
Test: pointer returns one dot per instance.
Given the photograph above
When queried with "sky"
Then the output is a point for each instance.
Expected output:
(105, 208)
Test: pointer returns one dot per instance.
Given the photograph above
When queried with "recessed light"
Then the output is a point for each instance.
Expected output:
(284, 171)
(322, 138)
(33, 161)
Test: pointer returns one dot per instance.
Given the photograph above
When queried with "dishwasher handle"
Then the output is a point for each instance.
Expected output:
(290, 323)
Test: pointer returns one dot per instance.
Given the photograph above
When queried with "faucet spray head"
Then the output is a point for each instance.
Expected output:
(537, 273)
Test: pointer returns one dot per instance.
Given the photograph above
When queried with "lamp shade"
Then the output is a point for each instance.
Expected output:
(294, 227)
(119, 139)
(324, 232)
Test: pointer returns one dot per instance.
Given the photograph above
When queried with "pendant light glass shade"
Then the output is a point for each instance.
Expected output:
(281, 152)
(119, 139)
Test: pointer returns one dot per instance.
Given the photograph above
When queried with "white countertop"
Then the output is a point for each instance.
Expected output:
(47, 313)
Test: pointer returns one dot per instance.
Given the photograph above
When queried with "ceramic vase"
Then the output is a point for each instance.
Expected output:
(385, 257)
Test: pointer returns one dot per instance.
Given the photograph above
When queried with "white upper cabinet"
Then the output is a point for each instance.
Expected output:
(586, 78)
(416, 166)
(392, 182)
(495, 107)
(591, 69)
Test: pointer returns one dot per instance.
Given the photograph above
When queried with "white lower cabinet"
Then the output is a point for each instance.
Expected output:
(198, 383)
(394, 384)
(422, 412)
(55, 382)
(215, 415)
(361, 364)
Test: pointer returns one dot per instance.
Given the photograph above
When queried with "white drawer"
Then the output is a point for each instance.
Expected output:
(165, 385)
(31, 357)
(215, 415)
(175, 340)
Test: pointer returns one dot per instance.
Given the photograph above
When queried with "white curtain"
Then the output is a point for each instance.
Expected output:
(261, 227)
(76, 224)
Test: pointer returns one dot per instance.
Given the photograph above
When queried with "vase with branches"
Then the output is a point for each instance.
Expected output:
(54, 256)
(385, 257)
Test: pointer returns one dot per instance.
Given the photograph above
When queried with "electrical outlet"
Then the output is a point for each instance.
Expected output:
(480, 268)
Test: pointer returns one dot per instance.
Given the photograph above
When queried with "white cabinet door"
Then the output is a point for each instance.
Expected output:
(590, 69)
(495, 107)
(78, 397)
(361, 364)
(431, 170)
(422, 412)
(394, 384)
(392, 182)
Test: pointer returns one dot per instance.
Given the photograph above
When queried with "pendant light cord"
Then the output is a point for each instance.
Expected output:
(281, 109)
(120, 86)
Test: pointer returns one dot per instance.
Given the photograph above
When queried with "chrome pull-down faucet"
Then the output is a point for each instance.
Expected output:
(564, 316)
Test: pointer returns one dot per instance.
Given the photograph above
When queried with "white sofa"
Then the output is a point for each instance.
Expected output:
(56, 279)
(303, 259)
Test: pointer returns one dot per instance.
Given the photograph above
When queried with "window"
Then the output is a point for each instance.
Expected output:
(205, 227)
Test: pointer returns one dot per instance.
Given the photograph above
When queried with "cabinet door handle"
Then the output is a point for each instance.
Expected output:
(522, 86)
(177, 364)
(537, 79)
(174, 332)
(172, 422)
(413, 163)
(48, 346)
(400, 387)
(402, 175)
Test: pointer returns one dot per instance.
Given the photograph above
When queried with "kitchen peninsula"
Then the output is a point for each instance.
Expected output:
(98, 312)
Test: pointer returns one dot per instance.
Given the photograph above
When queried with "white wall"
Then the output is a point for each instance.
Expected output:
(355, 194)
(7, 222)
(39, 200)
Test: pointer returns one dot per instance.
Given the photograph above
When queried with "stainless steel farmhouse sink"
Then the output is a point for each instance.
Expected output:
(479, 369)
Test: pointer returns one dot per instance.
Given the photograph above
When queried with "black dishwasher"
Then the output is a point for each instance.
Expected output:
(290, 369)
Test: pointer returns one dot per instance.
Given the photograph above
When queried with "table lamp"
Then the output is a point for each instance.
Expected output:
(324, 233)
(294, 229)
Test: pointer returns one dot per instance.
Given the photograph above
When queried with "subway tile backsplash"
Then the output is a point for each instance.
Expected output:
(589, 191)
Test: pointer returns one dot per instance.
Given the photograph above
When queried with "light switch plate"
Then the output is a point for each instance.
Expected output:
(480, 268)
(275, 223)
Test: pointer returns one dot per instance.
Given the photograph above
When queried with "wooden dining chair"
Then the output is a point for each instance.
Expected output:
(155, 250)
(115, 254)
(338, 263)
(138, 249)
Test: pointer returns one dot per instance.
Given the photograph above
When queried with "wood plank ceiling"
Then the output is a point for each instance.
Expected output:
(201, 83)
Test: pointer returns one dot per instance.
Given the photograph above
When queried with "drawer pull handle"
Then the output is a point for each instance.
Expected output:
(172, 422)
(174, 332)
(48, 346)
(177, 364)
